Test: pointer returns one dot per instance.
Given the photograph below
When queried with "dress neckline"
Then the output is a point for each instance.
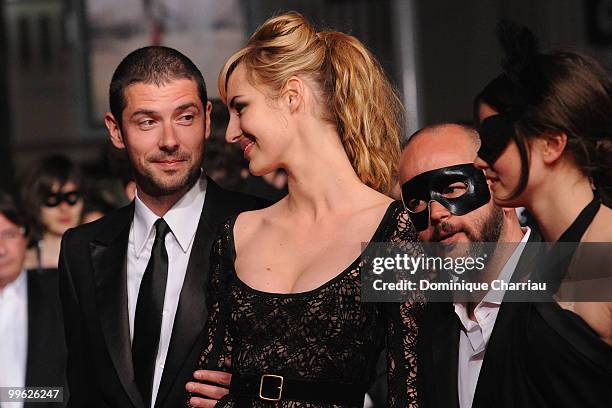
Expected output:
(380, 229)
(577, 229)
(557, 259)
(554, 274)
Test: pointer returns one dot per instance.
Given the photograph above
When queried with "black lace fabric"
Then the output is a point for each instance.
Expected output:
(324, 334)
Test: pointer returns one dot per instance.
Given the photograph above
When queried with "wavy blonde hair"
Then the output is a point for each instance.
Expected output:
(355, 93)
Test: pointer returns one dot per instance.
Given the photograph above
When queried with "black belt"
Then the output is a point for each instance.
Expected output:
(270, 387)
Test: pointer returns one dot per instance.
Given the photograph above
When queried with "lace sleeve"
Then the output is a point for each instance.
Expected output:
(217, 354)
(402, 329)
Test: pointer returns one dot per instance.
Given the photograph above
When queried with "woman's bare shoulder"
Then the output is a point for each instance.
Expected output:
(248, 223)
(598, 315)
(600, 229)
(374, 200)
(595, 257)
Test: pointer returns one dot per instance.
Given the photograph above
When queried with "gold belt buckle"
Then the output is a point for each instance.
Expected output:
(279, 379)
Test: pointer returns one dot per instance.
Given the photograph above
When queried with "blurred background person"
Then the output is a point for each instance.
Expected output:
(95, 206)
(52, 193)
(32, 347)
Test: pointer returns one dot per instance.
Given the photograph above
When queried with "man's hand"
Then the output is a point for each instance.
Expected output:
(207, 395)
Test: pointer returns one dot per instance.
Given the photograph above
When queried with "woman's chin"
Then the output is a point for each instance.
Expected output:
(505, 199)
(257, 170)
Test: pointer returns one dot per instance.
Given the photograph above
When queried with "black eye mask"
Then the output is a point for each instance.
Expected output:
(55, 199)
(460, 189)
(495, 134)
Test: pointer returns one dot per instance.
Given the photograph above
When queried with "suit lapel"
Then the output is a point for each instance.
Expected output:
(108, 255)
(191, 314)
(38, 327)
(45, 332)
(445, 356)
(493, 362)
(495, 356)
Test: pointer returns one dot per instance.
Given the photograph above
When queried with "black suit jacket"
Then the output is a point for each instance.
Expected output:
(46, 358)
(94, 296)
(438, 347)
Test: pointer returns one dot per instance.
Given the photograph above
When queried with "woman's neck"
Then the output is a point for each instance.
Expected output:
(321, 178)
(50, 249)
(556, 207)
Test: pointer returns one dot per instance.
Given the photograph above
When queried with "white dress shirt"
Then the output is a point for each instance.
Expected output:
(182, 219)
(14, 335)
(474, 335)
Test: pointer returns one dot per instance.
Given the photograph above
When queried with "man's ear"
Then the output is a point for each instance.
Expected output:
(114, 131)
(552, 146)
(207, 111)
(293, 93)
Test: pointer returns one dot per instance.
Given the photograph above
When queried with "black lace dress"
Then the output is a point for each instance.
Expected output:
(326, 334)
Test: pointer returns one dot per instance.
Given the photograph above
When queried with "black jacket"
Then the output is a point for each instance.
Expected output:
(94, 297)
(46, 359)
(438, 347)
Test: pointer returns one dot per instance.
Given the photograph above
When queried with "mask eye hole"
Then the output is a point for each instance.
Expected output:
(72, 197)
(455, 190)
(51, 200)
(415, 205)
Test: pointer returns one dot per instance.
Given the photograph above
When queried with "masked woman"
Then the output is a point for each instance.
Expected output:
(286, 303)
(52, 194)
(552, 153)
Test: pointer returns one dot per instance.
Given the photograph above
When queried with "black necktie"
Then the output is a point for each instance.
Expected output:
(149, 309)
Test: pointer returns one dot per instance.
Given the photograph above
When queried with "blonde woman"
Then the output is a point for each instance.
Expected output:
(286, 310)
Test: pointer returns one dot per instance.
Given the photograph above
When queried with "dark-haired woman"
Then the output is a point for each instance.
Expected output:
(286, 280)
(52, 195)
(553, 154)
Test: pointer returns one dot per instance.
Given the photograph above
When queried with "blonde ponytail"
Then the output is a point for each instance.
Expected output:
(356, 95)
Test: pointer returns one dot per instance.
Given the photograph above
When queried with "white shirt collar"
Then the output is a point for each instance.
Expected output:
(496, 296)
(493, 298)
(179, 218)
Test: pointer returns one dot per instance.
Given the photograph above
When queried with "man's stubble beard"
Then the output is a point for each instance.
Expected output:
(484, 245)
(155, 186)
(491, 228)
(482, 237)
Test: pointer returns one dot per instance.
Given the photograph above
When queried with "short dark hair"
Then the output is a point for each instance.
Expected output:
(39, 181)
(11, 210)
(151, 65)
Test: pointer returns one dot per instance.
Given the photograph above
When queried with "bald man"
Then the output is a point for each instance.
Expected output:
(443, 146)
(450, 202)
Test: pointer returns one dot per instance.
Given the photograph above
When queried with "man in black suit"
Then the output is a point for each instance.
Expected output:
(133, 284)
(460, 342)
(32, 347)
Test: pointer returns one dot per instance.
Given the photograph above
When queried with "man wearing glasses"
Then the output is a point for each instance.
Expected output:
(32, 349)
